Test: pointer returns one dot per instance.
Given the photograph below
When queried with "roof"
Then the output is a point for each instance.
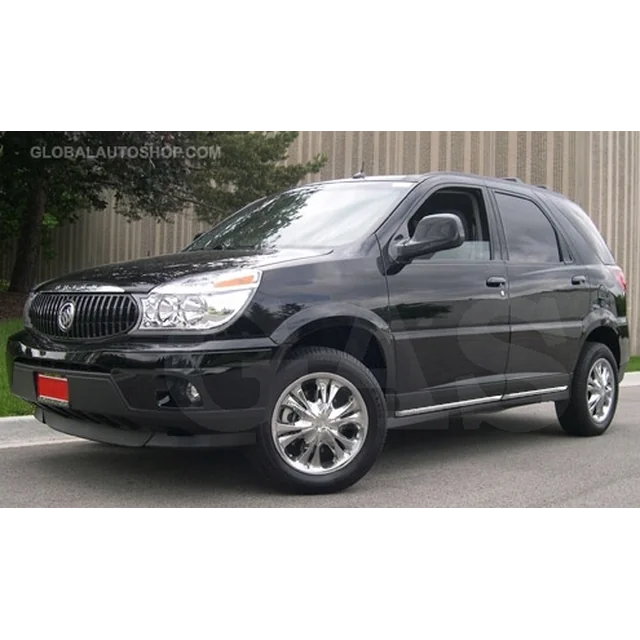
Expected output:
(493, 180)
(417, 178)
(397, 178)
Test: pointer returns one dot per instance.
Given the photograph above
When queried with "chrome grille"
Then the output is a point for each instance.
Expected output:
(96, 315)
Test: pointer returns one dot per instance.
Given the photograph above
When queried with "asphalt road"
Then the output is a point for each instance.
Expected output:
(517, 458)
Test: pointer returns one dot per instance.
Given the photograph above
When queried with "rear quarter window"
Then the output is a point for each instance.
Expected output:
(587, 229)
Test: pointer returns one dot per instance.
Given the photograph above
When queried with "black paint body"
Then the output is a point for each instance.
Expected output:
(447, 339)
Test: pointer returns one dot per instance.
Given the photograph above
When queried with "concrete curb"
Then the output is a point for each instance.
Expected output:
(16, 418)
(630, 380)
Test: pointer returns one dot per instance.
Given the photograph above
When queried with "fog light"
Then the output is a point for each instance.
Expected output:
(193, 395)
(175, 392)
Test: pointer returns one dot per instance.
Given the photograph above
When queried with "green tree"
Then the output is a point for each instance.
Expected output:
(47, 178)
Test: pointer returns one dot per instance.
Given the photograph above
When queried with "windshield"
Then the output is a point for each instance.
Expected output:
(324, 215)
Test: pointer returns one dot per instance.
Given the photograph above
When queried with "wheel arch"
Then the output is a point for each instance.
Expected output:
(346, 327)
(603, 329)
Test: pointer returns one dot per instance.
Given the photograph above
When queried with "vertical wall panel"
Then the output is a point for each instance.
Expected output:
(457, 150)
(475, 152)
(598, 169)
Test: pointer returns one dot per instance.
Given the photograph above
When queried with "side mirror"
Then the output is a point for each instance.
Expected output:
(434, 233)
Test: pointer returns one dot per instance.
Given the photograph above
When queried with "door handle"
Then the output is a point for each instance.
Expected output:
(496, 281)
(578, 280)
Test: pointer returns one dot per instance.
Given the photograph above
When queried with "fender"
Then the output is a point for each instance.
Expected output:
(332, 315)
(602, 317)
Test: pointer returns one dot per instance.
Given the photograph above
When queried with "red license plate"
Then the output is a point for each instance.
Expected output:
(52, 389)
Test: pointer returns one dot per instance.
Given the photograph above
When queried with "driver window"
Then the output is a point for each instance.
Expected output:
(468, 205)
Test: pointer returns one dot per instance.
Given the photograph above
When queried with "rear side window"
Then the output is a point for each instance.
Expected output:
(583, 223)
(530, 236)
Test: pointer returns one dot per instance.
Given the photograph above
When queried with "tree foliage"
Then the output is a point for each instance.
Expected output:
(48, 178)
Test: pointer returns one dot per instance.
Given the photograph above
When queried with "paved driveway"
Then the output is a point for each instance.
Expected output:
(513, 459)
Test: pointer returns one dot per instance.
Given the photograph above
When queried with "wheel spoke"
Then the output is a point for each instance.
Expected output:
(323, 389)
(297, 401)
(347, 443)
(305, 456)
(315, 460)
(284, 428)
(305, 434)
(335, 447)
(340, 412)
(593, 401)
(354, 418)
(299, 394)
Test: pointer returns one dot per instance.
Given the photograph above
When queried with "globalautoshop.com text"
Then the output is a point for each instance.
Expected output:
(150, 152)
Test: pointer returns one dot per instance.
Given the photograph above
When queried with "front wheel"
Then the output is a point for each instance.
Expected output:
(326, 423)
(594, 393)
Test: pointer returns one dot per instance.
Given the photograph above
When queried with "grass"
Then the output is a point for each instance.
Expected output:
(9, 404)
(634, 364)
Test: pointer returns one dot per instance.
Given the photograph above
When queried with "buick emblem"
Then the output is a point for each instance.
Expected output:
(66, 315)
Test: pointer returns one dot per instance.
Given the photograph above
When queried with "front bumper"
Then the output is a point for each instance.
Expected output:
(115, 389)
(140, 437)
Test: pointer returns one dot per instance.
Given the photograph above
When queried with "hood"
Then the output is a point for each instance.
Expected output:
(140, 276)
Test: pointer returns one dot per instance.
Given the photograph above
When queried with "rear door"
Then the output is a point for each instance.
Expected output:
(549, 296)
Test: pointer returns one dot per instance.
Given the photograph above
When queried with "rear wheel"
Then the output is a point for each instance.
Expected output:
(326, 423)
(594, 393)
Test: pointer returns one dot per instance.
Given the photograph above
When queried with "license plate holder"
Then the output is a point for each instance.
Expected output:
(52, 389)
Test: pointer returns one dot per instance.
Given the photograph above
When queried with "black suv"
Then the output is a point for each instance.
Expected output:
(309, 323)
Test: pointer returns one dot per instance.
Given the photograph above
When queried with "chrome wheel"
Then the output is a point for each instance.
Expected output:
(319, 423)
(600, 390)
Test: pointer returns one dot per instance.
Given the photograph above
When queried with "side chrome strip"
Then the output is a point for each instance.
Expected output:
(537, 392)
(448, 405)
(476, 401)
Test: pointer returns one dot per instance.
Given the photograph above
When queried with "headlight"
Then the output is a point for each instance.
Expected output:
(25, 314)
(198, 302)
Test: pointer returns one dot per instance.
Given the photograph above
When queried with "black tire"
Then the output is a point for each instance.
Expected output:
(301, 363)
(573, 414)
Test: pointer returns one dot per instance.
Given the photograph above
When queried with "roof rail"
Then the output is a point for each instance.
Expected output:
(513, 180)
(543, 186)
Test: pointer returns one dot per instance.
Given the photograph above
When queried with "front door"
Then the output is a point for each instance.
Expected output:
(449, 312)
(550, 296)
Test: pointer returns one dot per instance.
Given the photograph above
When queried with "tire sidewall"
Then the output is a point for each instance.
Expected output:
(328, 361)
